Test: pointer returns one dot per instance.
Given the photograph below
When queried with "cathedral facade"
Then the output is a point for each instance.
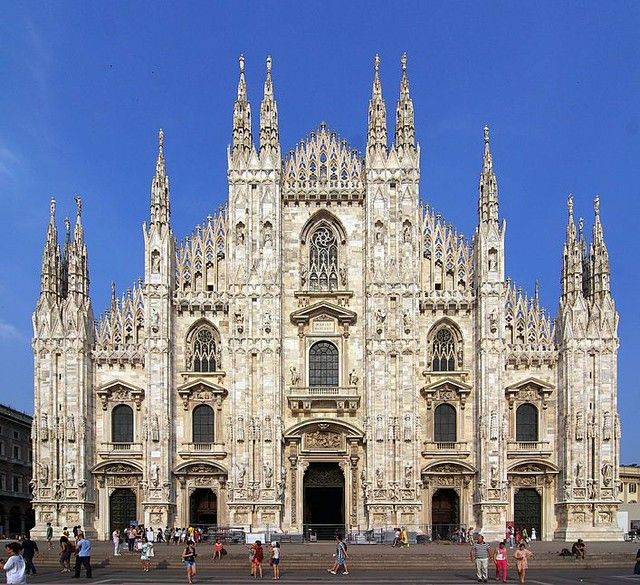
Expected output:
(326, 350)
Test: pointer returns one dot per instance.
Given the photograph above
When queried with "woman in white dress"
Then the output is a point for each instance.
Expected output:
(534, 536)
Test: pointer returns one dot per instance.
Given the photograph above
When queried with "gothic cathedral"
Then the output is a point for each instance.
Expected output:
(325, 353)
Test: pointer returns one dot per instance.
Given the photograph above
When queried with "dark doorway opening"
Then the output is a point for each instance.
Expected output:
(203, 508)
(15, 521)
(527, 511)
(445, 514)
(122, 509)
(323, 501)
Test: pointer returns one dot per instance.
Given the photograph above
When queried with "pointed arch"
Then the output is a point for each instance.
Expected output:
(323, 216)
(445, 346)
(203, 345)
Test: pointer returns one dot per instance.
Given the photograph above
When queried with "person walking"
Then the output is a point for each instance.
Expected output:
(521, 556)
(341, 557)
(275, 559)
(66, 548)
(189, 559)
(500, 559)
(636, 568)
(480, 553)
(83, 556)
(49, 535)
(131, 538)
(256, 561)
(14, 566)
(404, 537)
(29, 550)
(115, 538)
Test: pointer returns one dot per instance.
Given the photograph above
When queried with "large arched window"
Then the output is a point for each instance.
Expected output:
(527, 423)
(122, 424)
(444, 429)
(205, 351)
(443, 351)
(323, 259)
(202, 424)
(323, 364)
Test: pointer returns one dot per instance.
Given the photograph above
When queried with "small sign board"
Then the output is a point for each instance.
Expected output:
(251, 537)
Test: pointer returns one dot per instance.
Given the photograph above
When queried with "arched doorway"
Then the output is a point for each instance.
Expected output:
(527, 510)
(445, 514)
(323, 511)
(122, 508)
(203, 508)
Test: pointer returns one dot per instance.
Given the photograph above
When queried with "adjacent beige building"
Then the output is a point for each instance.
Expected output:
(327, 351)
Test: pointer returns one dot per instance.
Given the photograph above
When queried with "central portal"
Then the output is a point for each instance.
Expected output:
(323, 501)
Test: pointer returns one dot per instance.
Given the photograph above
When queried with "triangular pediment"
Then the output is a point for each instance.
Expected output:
(323, 308)
(449, 381)
(116, 385)
(531, 381)
(201, 384)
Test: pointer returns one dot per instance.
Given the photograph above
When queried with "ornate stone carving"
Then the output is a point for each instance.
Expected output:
(323, 440)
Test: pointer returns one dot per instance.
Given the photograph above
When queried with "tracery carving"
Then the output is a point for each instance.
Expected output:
(323, 259)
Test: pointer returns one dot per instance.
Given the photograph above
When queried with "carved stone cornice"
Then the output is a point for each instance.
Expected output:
(120, 391)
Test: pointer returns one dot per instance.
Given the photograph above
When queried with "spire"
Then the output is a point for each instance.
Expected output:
(160, 211)
(50, 278)
(241, 115)
(572, 258)
(377, 123)
(64, 259)
(488, 188)
(405, 126)
(77, 269)
(599, 258)
(268, 115)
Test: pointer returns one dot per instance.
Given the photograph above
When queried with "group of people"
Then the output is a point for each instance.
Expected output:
(20, 555)
(482, 553)
(256, 557)
(400, 537)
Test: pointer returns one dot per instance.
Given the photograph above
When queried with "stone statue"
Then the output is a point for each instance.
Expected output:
(408, 476)
(268, 234)
(406, 233)
(379, 236)
(343, 274)
(579, 467)
(379, 477)
(607, 474)
(268, 474)
(155, 320)
(408, 428)
(494, 476)
(70, 472)
(295, 376)
(493, 321)
(155, 262)
(379, 428)
(606, 426)
(353, 378)
(239, 321)
(380, 319)
(579, 425)
(71, 428)
(44, 427)
(43, 468)
(266, 324)
(155, 429)
(58, 490)
(241, 471)
(406, 322)
(82, 490)
(240, 232)
(303, 274)
(154, 474)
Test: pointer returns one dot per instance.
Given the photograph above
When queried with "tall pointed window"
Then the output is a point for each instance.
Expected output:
(323, 260)
(443, 351)
(205, 351)
(444, 428)
(323, 364)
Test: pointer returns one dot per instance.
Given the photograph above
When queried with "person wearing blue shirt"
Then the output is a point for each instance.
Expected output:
(83, 556)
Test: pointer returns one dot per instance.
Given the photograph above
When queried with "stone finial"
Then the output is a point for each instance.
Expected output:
(268, 63)
(486, 134)
(403, 62)
(376, 62)
(52, 208)
(160, 138)
(570, 204)
(241, 62)
(78, 201)
(596, 204)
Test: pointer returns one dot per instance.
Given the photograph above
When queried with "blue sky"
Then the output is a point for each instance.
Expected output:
(87, 85)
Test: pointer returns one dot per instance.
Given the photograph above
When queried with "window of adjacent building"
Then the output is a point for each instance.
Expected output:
(203, 424)
(17, 484)
(323, 260)
(323, 364)
(16, 453)
(527, 423)
(16, 435)
(1, 447)
(444, 428)
(633, 488)
(443, 351)
(3, 481)
(204, 351)
(122, 424)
